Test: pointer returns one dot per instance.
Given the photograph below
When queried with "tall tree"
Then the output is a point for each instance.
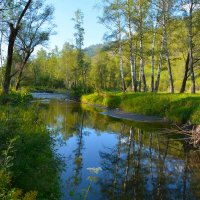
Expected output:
(1, 39)
(141, 33)
(129, 19)
(189, 7)
(183, 85)
(155, 23)
(36, 29)
(141, 8)
(166, 8)
(16, 12)
(79, 38)
(112, 19)
(192, 4)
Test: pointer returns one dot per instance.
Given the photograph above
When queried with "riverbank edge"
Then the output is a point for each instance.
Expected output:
(119, 114)
(174, 108)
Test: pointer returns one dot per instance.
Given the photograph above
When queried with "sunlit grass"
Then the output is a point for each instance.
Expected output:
(178, 108)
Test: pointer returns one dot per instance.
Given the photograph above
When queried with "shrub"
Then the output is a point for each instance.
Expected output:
(16, 98)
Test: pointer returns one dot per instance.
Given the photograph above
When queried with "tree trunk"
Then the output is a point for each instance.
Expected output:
(159, 67)
(133, 72)
(142, 74)
(167, 54)
(153, 57)
(159, 70)
(171, 81)
(131, 59)
(120, 49)
(121, 67)
(1, 57)
(193, 88)
(11, 42)
(19, 78)
(18, 81)
(134, 65)
(185, 75)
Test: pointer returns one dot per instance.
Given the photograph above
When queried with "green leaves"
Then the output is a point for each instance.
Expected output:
(26, 154)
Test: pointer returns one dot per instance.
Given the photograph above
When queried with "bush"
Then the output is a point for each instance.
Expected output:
(76, 92)
(16, 98)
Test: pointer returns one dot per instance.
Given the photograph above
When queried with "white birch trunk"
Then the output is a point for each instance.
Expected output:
(130, 34)
(159, 67)
(142, 74)
(153, 57)
(166, 47)
(191, 48)
(120, 48)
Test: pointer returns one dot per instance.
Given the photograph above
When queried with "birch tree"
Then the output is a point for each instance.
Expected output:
(156, 19)
(113, 20)
(166, 6)
(129, 21)
(142, 8)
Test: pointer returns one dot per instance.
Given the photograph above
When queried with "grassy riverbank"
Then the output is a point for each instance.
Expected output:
(28, 163)
(179, 108)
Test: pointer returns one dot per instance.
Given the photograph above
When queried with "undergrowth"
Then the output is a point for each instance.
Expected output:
(28, 165)
(15, 98)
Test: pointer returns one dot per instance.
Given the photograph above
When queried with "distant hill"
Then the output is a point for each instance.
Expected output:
(91, 50)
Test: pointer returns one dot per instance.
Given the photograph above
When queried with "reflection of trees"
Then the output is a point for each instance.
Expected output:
(130, 138)
(185, 176)
(78, 152)
(160, 181)
(192, 171)
(62, 117)
(133, 170)
(111, 165)
(141, 165)
(76, 178)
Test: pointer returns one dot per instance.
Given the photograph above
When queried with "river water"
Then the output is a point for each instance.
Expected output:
(107, 158)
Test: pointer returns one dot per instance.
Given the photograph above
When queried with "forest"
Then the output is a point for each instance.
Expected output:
(148, 65)
(149, 46)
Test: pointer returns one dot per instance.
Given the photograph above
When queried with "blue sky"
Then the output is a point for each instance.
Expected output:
(64, 12)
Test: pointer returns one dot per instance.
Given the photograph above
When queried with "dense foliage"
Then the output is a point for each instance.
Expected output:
(28, 164)
(151, 54)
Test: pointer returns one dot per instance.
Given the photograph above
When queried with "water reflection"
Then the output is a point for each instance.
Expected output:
(138, 161)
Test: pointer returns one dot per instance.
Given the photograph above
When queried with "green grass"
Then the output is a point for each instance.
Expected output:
(179, 108)
(15, 98)
(28, 165)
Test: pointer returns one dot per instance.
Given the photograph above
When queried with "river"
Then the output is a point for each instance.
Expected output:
(107, 158)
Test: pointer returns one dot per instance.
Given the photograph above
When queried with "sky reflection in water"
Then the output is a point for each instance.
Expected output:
(137, 162)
